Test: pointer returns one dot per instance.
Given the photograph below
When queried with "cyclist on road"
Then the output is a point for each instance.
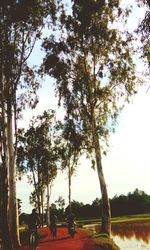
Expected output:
(71, 220)
(34, 223)
(34, 220)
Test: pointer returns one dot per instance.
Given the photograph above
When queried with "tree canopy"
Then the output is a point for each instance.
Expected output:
(92, 64)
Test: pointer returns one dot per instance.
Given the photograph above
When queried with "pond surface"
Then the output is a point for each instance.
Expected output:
(129, 236)
(132, 237)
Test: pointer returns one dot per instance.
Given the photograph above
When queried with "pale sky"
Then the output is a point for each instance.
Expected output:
(127, 164)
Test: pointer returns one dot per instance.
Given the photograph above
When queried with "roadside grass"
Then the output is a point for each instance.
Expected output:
(102, 241)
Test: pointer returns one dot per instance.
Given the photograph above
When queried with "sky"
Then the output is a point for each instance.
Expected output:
(127, 163)
(126, 166)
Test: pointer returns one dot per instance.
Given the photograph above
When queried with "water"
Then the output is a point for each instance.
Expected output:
(132, 237)
(131, 244)
(129, 236)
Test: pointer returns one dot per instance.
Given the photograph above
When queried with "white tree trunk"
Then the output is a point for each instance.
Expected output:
(6, 238)
(14, 227)
(48, 211)
(106, 214)
(69, 185)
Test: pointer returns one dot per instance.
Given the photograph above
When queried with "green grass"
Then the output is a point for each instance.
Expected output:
(139, 218)
(82, 222)
(102, 241)
(122, 219)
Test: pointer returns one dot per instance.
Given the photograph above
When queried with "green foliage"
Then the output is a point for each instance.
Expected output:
(144, 30)
(85, 210)
(137, 202)
(22, 22)
(92, 64)
(70, 146)
(38, 151)
(60, 202)
(94, 74)
(60, 210)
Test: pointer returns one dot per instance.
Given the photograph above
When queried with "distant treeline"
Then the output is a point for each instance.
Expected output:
(137, 202)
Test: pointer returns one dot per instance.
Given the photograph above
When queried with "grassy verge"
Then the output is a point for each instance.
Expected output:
(102, 241)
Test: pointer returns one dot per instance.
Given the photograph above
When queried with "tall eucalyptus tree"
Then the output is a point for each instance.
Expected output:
(21, 23)
(92, 65)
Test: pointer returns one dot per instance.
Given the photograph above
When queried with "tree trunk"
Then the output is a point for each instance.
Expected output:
(106, 214)
(39, 203)
(48, 211)
(14, 227)
(42, 208)
(36, 190)
(69, 185)
(6, 239)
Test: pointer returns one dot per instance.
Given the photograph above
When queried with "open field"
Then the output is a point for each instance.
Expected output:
(123, 219)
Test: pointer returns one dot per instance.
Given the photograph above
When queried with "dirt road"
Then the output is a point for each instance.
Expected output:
(81, 241)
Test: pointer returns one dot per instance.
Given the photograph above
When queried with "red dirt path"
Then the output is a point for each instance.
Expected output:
(81, 241)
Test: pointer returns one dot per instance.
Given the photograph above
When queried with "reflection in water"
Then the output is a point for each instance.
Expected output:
(130, 236)
(131, 244)
(138, 231)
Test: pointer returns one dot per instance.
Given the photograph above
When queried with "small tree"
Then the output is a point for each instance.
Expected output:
(61, 205)
(69, 152)
(38, 155)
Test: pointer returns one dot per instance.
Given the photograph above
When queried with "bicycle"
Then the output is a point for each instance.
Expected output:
(71, 229)
(33, 239)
